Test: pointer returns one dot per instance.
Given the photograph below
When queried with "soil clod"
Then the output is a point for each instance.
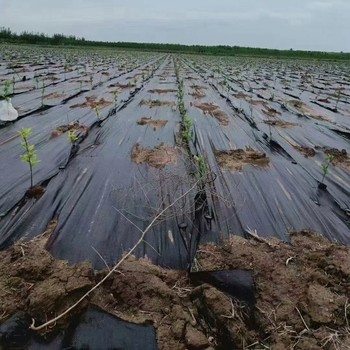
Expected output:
(157, 157)
(157, 103)
(239, 158)
(93, 102)
(156, 123)
(214, 111)
(306, 151)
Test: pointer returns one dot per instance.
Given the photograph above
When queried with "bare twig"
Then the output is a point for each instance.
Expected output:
(182, 291)
(101, 257)
(46, 324)
(3, 315)
(332, 338)
(306, 326)
(254, 234)
(346, 307)
(126, 218)
(232, 311)
(22, 250)
(289, 260)
(192, 315)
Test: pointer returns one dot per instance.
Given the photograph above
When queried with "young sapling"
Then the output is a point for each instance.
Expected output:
(13, 84)
(339, 91)
(42, 93)
(187, 129)
(6, 90)
(30, 155)
(65, 70)
(202, 170)
(115, 97)
(325, 170)
(72, 136)
(98, 114)
(91, 81)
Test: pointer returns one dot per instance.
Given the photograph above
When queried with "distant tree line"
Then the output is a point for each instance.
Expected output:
(6, 35)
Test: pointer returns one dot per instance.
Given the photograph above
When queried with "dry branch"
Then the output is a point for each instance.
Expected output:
(48, 323)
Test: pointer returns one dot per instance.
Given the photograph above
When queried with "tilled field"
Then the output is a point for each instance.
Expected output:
(208, 148)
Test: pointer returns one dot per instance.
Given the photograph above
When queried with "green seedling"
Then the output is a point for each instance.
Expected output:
(339, 91)
(6, 90)
(91, 81)
(325, 166)
(42, 93)
(227, 85)
(115, 97)
(13, 84)
(180, 93)
(240, 107)
(270, 131)
(251, 108)
(182, 108)
(187, 129)
(65, 70)
(98, 113)
(72, 136)
(180, 96)
(30, 156)
(202, 170)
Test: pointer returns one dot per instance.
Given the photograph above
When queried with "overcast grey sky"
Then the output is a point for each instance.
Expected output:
(300, 24)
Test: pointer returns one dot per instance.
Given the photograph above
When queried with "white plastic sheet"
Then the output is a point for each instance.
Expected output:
(7, 111)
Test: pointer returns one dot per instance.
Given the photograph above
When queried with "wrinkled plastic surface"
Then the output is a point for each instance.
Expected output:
(14, 332)
(103, 200)
(93, 330)
(7, 111)
(237, 283)
(98, 330)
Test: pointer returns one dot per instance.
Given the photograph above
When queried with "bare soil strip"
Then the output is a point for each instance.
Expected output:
(157, 157)
(93, 102)
(83, 129)
(156, 123)
(214, 111)
(237, 159)
(306, 151)
(54, 96)
(157, 103)
(280, 123)
(341, 157)
(161, 91)
(306, 110)
(271, 112)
